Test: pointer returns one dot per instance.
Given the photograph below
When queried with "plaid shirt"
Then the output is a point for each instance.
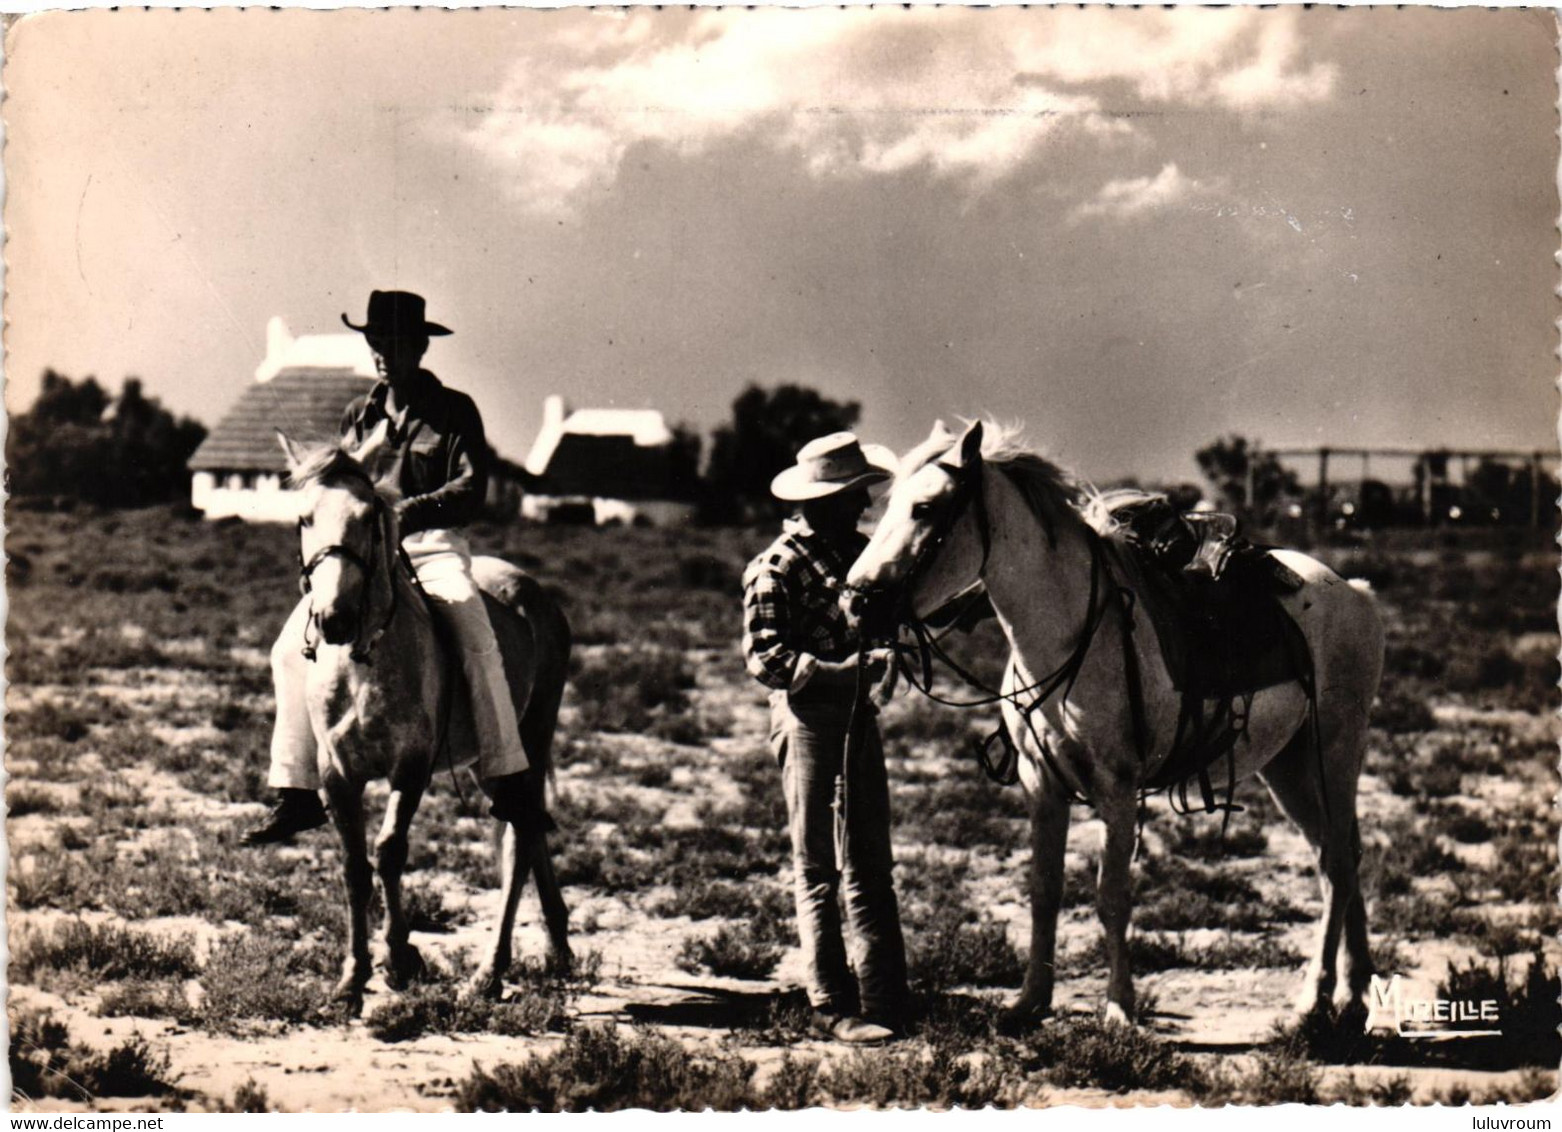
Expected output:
(791, 606)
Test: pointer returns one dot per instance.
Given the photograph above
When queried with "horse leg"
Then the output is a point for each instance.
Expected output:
(347, 814)
(1295, 780)
(1048, 838)
(489, 980)
(554, 913)
(404, 964)
(1114, 902)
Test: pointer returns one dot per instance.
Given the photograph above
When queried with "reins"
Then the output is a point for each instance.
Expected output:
(1029, 699)
(362, 653)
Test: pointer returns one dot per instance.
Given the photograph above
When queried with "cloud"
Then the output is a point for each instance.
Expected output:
(1132, 196)
(967, 95)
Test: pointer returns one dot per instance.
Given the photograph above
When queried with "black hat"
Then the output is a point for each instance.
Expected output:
(396, 313)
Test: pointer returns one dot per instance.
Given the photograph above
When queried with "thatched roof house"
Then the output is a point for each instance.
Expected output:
(603, 466)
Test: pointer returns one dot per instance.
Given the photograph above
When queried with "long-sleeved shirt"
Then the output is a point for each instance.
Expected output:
(792, 616)
(439, 444)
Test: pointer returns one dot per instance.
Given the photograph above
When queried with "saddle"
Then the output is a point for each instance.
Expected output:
(1213, 599)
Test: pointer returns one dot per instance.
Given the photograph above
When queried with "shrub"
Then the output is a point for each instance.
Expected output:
(443, 1008)
(1090, 1053)
(142, 998)
(106, 951)
(625, 688)
(902, 1077)
(793, 1085)
(249, 1097)
(1399, 713)
(597, 1068)
(255, 977)
(735, 951)
(956, 948)
(46, 1063)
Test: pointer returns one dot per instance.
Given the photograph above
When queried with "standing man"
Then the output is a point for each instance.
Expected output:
(796, 643)
(434, 442)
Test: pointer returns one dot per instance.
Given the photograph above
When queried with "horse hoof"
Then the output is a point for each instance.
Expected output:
(343, 1006)
(405, 968)
(487, 984)
(1116, 1015)
(1019, 1018)
(561, 963)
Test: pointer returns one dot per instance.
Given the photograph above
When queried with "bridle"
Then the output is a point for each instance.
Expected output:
(969, 495)
(365, 565)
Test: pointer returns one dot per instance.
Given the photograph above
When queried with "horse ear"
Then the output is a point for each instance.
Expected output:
(371, 445)
(289, 449)
(969, 450)
(941, 432)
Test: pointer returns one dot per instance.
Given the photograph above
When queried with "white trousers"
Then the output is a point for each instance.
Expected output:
(443, 563)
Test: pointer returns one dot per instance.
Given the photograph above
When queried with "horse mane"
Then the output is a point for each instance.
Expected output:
(331, 461)
(1048, 490)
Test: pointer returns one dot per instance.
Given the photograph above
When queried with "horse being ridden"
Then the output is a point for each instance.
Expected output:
(384, 701)
(972, 512)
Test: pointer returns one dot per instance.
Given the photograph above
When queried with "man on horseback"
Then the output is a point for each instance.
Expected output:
(824, 729)
(438, 458)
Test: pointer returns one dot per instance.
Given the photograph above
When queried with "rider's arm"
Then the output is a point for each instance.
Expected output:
(460, 500)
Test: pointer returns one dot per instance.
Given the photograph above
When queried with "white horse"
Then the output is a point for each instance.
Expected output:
(973, 512)
(384, 702)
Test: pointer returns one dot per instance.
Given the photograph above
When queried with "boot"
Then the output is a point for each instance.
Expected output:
(296, 811)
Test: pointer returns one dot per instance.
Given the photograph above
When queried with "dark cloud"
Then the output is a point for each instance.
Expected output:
(1362, 254)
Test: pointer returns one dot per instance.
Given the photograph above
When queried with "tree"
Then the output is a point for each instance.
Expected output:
(1225, 463)
(768, 427)
(77, 442)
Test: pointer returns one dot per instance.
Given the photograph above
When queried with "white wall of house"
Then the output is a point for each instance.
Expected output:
(255, 498)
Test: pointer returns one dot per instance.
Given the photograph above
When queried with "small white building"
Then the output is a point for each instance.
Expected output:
(605, 466)
(302, 387)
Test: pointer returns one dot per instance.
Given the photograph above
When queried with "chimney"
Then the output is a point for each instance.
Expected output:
(278, 341)
(553, 410)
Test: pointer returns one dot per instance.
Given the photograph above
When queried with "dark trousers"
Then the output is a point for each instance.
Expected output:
(840, 825)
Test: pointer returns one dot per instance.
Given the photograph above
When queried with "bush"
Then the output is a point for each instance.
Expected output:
(106, 951)
(627, 688)
(46, 1063)
(958, 949)
(597, 1068)
(902, 1077)
(736, 951)
(1090, 1053)
(255, 977)
(444, 1008)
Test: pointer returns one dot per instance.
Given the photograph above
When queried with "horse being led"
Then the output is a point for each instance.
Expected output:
(975, 511)
(383, 701)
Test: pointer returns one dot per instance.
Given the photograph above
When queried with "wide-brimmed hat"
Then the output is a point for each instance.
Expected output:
(831, 464)
(396, 314)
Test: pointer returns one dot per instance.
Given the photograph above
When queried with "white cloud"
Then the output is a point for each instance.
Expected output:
(969, 95)
(1132, 196)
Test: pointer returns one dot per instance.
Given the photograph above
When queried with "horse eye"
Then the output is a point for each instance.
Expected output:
(921, 510)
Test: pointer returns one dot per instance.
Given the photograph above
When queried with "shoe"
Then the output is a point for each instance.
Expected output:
(850, 1030)
(295, 811)
(517, 799)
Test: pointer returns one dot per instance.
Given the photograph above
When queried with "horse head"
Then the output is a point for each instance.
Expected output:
(930, 547)
(346, 544)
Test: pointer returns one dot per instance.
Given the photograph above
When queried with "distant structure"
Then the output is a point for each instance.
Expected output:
(302, 387)
(603, 466)
(1507, 487)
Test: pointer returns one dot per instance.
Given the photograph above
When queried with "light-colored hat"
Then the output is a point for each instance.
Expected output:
(832, 464)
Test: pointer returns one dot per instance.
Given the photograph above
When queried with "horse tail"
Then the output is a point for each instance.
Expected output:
(540, 722)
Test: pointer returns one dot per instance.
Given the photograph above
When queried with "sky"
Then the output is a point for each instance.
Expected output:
(1134, 230)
